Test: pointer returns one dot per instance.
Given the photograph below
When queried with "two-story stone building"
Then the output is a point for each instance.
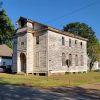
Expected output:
(39, 48)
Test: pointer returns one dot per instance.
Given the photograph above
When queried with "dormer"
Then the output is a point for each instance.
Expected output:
(24, 22)
(21, 22)
(33, 25)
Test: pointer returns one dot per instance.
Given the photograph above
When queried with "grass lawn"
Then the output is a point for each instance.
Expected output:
(51, 81)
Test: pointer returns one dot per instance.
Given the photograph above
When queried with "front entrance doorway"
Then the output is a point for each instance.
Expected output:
(23, 62)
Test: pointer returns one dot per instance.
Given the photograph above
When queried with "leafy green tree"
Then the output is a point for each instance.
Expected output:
(93, 45)
(6, 29)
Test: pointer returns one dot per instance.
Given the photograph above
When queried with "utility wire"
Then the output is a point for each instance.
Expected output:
(74, 11)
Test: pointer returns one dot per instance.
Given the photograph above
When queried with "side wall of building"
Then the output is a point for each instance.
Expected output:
(19, 46)
(14, 56)
(26, 43)
(40, 52)
(56, 49)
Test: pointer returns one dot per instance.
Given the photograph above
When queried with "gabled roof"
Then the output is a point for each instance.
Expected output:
(5, 51)
(54, 29)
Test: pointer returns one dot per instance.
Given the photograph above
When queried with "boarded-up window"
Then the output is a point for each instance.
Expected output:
(82, 60)
(69, 42)
(37, 39)
(63, 59)
(63, 41)
(70, 59)
(75, 43)
(76, 60)
(81, 44)
(37, 59)
(42, 59)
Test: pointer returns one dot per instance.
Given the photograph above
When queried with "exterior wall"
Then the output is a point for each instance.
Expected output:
(18, 48)
(30, 53)
(6, 60)
(56, 49)
(14, 59)
(37, 26)
(40, 48)
(21, 48)
(29, 24)
(30, 48)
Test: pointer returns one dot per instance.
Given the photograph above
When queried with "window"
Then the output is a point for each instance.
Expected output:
(82, 60)
(75, 43)
(37, 59)
(63, 41)
(69, 42)
(76, 60)
(81, 44)
(37, 39)
(70, 59)
(22, 43)
(63, 59)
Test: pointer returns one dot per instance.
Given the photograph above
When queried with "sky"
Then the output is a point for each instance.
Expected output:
(56, 13)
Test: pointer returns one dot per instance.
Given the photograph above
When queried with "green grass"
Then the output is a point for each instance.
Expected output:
(51, 81)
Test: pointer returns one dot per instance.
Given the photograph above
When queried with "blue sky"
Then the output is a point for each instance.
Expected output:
(56, 13)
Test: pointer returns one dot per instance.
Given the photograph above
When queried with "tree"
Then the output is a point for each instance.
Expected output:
(93, 45)
(6, 29)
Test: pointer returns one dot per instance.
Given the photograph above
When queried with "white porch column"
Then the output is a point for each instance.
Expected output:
(30, 53)
(18, 63)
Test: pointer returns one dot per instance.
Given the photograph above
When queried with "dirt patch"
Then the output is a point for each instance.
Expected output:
(91, 91)
(91, 86)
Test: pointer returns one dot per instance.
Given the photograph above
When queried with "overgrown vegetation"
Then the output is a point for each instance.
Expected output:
(51, 81)
(93, 45)
(6, 28)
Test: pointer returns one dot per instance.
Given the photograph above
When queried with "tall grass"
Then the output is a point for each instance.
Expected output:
(51, 81)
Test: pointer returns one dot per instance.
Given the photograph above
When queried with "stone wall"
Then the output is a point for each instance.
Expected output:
(30, 53)
(19, 46)
(40, 49)
(56, 49)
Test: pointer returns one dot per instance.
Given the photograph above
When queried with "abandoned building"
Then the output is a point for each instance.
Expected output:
(41, 49)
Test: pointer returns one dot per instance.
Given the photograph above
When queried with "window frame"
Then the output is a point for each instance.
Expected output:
(70, 59)
(81, 44)
(63, 59)
(37, 40)
(76, 60)
(70, 42)
(63, 40)
(76, 42)
(82, 60)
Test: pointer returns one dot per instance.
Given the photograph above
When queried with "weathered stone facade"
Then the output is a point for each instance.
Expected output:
(56, 49)
(38, 49)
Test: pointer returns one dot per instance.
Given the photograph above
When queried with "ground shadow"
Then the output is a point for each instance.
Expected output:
(82, 93)
(12, 92)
